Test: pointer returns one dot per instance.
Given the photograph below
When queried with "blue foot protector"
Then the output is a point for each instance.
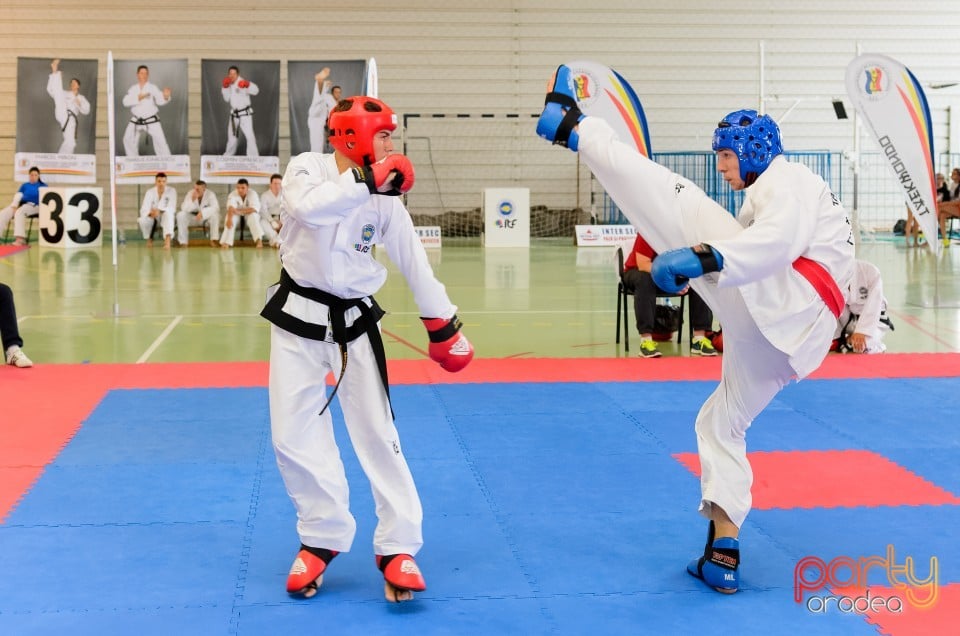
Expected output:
(719, 565)
(560, 112)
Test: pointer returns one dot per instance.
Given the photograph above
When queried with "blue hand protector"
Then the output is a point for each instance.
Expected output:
(671, 271)
(560, 113)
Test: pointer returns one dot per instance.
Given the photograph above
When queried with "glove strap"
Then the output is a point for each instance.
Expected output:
(363, 174)
(571, 119)
(445, 332)
(708, 258)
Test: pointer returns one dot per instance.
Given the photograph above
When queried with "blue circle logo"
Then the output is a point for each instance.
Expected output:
(506, 208)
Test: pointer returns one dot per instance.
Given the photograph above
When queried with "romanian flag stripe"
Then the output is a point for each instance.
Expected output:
(919, 113)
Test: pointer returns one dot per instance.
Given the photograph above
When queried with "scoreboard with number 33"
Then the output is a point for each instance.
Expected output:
(71, 217)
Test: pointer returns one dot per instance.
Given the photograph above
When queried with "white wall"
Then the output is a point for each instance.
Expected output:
(690, 63)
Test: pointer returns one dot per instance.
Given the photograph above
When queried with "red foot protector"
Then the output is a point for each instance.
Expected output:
(401, 571)
(304, 572)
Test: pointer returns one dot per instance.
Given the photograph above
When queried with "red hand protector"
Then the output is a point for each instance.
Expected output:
(448, 346)
(392, 176)
(243, 84)
(227, 82)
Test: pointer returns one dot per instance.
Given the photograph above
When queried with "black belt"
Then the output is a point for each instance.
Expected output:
(366, 323)
(145, 121)
(236, 114)
(66, 122)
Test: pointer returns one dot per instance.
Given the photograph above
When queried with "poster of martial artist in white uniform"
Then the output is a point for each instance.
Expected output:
(240, 123)
(314, 88)
(150, 101)
(56, 119)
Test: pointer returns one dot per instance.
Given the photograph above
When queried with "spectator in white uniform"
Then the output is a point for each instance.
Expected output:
(199, 206)
(159, 206)
(243, 203)
(864, 321)
(270, 210)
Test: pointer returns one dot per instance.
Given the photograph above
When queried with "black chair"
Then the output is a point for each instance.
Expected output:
(242, 228)
(623, 304)
(205, 228)
(9, 230)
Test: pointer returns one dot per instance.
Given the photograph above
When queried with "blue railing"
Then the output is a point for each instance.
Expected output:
(701, 168)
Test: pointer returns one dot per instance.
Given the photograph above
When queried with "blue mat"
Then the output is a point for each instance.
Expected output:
(549, 509)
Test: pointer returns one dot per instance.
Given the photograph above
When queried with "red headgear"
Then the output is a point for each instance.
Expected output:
(352, 130)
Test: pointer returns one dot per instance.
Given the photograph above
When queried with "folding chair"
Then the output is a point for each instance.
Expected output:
(205, 228)
(6, 235)
(623, 304)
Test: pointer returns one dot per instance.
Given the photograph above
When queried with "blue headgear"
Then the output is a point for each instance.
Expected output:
(755, 139)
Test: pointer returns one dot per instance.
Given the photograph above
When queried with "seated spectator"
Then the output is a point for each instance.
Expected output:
(242, 202)
(911, 229)
(25, 204)
(637, 280)
(199, 206)
(270, 211)
(9, 334)
(864, 321)
(159, 206)
(950, 205)
(943, 190)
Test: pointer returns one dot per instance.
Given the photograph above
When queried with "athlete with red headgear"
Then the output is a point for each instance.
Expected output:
(334, 208)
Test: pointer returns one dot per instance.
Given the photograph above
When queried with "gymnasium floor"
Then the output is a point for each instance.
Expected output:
(554, 300)
(138, 491)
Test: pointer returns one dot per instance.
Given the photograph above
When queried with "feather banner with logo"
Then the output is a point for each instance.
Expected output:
(891, 101)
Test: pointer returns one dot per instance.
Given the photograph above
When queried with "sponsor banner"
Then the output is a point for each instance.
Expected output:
(605, 235)
(506, 213)
(56, 168)
(226, 169)
(145, 169)
(602, 92)
(892, 103)
(429, 235)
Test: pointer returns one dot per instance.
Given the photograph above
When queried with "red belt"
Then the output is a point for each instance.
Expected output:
(822, 282)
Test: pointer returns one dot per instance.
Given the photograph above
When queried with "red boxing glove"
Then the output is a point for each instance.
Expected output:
(393, 176)
(243, 84)
(448, 346)
(227, 82)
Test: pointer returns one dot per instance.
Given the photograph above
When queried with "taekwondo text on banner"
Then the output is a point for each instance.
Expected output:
(892, 103)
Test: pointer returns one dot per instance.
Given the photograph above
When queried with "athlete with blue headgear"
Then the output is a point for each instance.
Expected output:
(772, 276)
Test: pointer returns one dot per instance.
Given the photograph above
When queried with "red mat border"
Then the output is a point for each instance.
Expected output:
(10, 250)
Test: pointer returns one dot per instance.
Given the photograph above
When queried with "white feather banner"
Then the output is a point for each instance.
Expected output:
(889, 98)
